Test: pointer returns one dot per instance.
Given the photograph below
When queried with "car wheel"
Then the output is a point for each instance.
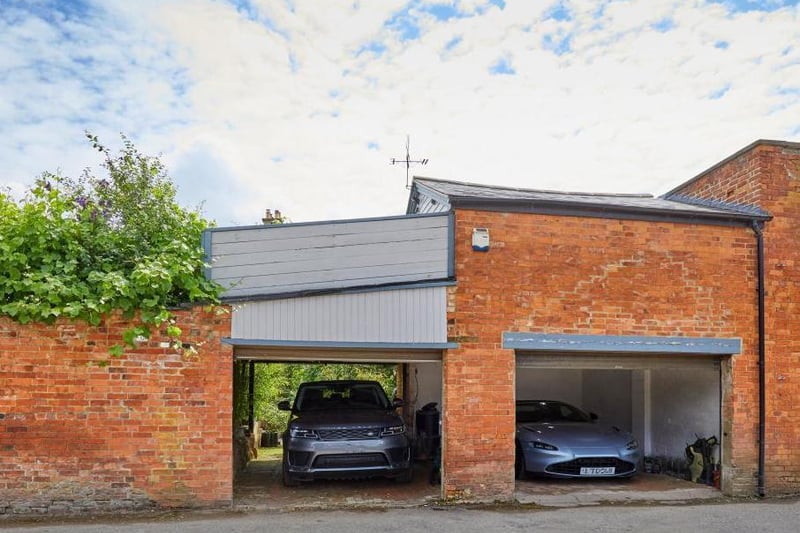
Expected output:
(288, 479)
(519, 463)
(406, 476)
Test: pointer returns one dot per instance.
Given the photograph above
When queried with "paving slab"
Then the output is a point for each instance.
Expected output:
(642, 488)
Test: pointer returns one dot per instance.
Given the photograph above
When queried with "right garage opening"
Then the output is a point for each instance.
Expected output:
(668, 401)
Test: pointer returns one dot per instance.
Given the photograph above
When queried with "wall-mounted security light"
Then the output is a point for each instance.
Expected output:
(480, 239)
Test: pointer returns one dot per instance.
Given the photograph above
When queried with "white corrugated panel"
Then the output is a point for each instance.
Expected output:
(417, 315)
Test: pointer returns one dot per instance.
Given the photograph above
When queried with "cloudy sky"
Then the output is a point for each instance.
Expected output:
(301, 104)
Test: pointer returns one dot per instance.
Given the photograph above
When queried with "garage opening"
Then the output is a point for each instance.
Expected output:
(669, 393)
(666, 403)
(413, 376)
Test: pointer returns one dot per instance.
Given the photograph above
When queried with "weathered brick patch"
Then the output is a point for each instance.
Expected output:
(153, 428)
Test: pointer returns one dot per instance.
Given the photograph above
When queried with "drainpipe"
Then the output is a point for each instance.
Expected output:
(758, 228)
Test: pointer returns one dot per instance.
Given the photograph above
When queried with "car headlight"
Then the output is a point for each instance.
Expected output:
(393, 430)
(300, 433)
(632, 445)
(543, 446)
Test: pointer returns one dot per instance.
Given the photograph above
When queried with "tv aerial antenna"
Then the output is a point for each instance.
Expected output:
(408, 161)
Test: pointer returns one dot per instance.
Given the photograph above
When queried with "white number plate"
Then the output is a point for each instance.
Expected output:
(598, 471)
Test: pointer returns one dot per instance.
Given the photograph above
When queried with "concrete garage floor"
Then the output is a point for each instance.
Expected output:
(643, 488)
(259, 487)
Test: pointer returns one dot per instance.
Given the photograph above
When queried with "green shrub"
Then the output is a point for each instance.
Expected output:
(84, 248)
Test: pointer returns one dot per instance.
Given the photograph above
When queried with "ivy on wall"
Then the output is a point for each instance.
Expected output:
(82, 248)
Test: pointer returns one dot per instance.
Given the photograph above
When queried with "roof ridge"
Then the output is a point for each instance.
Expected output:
(540, 191)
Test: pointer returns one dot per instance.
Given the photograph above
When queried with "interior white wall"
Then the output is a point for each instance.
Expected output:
(424, 385)
(685, 404)
(550, 384)
(641, 409)
(607, 393)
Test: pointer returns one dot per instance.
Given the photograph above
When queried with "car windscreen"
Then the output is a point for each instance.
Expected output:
(341, 396)
(538, 412)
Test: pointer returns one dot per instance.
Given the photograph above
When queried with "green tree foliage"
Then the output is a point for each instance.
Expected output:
(279, 381)
(83, 248)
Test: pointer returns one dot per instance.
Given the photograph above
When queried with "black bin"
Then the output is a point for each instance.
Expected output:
(427, 423)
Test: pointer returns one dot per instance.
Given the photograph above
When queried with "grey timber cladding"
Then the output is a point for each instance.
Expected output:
(416, 315)
(301, 258)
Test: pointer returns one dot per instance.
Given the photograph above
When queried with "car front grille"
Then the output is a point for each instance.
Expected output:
(350, 460)
(350, 434)
(573, 468)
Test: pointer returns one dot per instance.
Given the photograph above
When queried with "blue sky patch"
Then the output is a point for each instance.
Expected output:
(452, 43)
(502, 66)
(664, 25)
(599, 12)
(373, 145)
(54, 11)
(722, 45)
(442, 11)
(404, 24)
(480, 10)
(246, 8)
(373, 47)
(558, 44)
(745, 6)
(251, 12)
(788, 91)
(558, 12)
(719, 93)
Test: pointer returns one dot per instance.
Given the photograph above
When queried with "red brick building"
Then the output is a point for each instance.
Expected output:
(648, 309)
(611, 272)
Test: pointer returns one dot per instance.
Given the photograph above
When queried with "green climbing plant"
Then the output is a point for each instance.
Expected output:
(85, 247)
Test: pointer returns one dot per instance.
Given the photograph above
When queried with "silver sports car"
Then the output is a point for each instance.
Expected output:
(558, 439)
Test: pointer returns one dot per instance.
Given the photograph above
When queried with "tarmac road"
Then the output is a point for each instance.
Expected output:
(760, 516)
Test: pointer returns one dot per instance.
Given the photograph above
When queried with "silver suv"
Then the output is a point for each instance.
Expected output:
(344, 429)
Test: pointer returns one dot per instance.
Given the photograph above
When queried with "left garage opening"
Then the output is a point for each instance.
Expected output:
(414, 377)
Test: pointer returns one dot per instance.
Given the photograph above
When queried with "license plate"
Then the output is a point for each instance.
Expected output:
(598, 471)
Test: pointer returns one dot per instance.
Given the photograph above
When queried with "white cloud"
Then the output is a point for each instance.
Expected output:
(268, 106)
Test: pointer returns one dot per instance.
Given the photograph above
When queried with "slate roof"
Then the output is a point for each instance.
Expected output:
(491, 197)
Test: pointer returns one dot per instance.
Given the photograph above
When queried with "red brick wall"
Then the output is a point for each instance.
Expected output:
(558, 274)
(768, 176)
(151, 428)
